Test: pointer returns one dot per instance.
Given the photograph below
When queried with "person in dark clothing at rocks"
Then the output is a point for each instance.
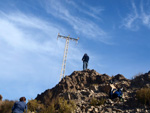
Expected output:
(85, 60)
(20, 106)
(114, 93)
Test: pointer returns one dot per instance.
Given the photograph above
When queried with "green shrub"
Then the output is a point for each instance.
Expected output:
(49, 109)
(65, 106)
(1, 97)
(60, 105)
(34, 106)
(6, 106)
(97, 102)
(143, 96)
(137, 75)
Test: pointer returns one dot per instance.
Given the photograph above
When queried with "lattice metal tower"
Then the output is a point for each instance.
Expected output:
(65, 52)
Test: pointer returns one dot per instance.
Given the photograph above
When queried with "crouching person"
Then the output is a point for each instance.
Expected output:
(20, 106)
(114, 93)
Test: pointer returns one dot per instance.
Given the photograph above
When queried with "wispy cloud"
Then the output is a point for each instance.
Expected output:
(31, 53)
(27, 41)
(145, 16)
(88, 10)
(130, 21)
(81, 25)
(27, 32)
(30, 50)
(136, 18)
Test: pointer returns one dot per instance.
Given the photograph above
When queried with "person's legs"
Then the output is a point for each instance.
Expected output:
(84, 65)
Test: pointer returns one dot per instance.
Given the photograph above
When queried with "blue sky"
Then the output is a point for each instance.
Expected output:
(115, 34)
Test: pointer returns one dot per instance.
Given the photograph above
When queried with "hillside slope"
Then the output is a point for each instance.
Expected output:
(90, 91)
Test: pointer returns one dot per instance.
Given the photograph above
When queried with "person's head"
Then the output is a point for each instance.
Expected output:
(22, 99)
(85, 54)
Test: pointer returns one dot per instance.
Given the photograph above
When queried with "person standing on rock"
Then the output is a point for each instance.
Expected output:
(20, 106)
(85, 60)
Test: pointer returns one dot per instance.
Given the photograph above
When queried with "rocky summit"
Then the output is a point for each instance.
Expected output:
(90, 92)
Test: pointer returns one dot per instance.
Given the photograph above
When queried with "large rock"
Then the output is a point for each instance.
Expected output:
(78, 80)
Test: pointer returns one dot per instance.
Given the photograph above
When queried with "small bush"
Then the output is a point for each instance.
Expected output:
(97, 102)
(1, 97)
(143, 96)
(49, 109)
(65, 106)
(34, 106)
(137, 75)
(6, 106)
(60, 105)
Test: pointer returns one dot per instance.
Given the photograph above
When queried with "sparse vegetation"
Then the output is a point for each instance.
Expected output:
(49, 109)
(34, 106)
(1, 97)
(60, 105)
(143, 96)
(137, 75)
(97, 102)
(65, 106)
(6, 106)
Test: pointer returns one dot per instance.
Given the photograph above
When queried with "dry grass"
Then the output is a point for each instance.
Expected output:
(137, 75)
(1, 97)
(143, 96)
(6, 106)
(60, 105)
(97, 102)
(35, 106)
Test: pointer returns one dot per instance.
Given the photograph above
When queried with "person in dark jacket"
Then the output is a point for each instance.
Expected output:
(85, 60)
(114, 93)
(20, 106)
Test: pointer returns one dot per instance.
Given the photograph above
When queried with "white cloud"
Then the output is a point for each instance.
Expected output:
(135, 18)
(130, 21)
(80, 24)
(31, 56)
(31, 53)
(88, 10)
(145, 17)
(28, 32)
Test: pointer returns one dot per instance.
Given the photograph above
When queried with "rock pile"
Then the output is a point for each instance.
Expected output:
(142, 80)
(90, 91)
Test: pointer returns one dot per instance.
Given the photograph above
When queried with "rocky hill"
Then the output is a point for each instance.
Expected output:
(90, 92)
